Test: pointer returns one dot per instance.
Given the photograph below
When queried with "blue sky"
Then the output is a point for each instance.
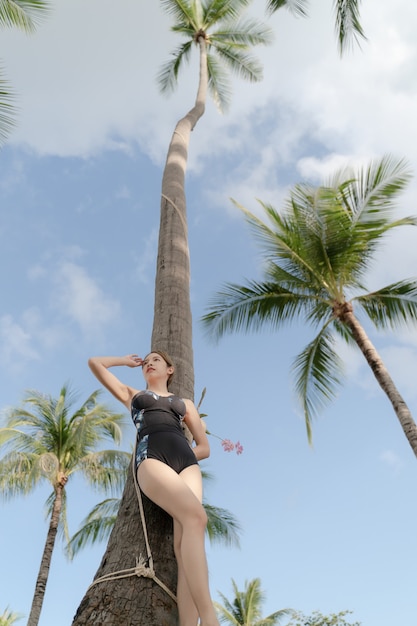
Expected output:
(328, 527)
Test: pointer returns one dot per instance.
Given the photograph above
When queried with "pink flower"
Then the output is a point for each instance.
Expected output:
(228, 446)
(239, 447)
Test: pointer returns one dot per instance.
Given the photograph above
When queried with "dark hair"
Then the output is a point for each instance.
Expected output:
(167, 360)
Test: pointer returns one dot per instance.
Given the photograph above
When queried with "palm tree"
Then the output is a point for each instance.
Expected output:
(221, 34)
(223, 37)
(49, 442)
(347, 18)
(222, 525)
(246, 607)
(317, 253)
(23, 14)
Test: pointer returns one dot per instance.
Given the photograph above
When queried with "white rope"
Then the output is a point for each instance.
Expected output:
(143, 568)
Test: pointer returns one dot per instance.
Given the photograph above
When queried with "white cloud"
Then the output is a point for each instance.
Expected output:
(102, 94)
(16, 344)
(79, 298)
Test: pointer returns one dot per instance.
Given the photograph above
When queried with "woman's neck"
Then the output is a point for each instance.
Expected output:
(160, 390)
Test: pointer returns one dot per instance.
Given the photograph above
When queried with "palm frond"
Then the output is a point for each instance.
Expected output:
(375, 188)
(180, 11)
(16, 474)
(7, 112)
(8, 617)
(248, 307)
(242, 64)
(275, 618)
(242, 33)
(392, 305)
(317, 371)
(293, 241)
(218, 83)
(222, 526)
(23, 14)
(216, 11)
(105, 469)
(95, 527)
(347, 23)
(168, 75)
(297, 7)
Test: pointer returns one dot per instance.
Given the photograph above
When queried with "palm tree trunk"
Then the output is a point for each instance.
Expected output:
(43, 574)
(172, 326)
(139, 601)
(382, 375)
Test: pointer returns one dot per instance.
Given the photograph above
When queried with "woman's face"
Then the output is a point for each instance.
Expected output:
(155, 367)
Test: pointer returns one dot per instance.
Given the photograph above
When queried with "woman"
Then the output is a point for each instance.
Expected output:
(168, 471)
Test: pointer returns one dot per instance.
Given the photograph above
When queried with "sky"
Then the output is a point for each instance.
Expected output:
(326, 527)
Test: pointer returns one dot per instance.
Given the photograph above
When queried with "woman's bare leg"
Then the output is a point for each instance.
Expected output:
(172, 493)
(187, 610)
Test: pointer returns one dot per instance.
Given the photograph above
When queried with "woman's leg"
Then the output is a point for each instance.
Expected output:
(187, 610)
(173, 494)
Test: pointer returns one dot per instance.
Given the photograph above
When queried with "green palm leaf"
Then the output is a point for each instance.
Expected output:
(297, 7)
(246, 607)
(7, 114)
(168, 75)
(96, 527)
(318, 371)
(249, 307)
(347, 24)
(218, 83)
(222, 526)
(24, 14)
(392, 305)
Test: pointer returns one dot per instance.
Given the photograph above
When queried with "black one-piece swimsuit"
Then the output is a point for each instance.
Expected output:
(158, 420)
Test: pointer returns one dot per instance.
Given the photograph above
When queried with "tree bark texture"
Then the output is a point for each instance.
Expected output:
(172, 327)
(382, 375)
(140, 601)
(40, 587)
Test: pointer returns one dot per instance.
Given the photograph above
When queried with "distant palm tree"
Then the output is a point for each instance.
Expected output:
(49, 442)
(347, 18)
(317, 253)
(245, 609)
(22, 14)
(222, 526)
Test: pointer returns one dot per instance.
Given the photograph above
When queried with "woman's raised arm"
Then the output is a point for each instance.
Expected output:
(100, 365)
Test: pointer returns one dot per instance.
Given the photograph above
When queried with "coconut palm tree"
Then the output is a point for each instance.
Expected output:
(347, 18)
(46, 440)
(246, 607)
(23, 14)
(222, 525)
(318, 250)
(222, 37)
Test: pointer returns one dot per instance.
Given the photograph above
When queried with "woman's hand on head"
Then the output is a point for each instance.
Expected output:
(133, 360)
